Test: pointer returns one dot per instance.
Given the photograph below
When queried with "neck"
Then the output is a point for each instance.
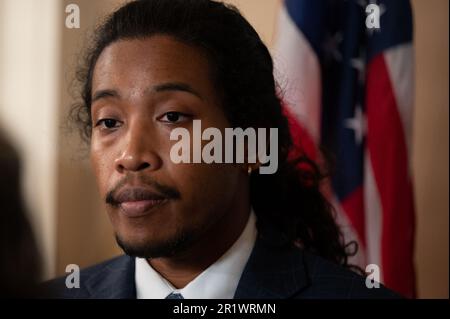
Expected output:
(183, 268)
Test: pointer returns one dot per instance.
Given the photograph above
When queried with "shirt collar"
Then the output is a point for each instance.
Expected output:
(218, 281)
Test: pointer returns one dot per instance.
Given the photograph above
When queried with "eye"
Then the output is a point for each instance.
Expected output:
(108, 124)
(175, 117)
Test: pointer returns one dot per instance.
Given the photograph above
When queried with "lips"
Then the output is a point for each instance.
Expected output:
(137, 202)
(139, 208)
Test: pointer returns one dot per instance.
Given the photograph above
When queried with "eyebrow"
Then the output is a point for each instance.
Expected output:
(176, 86)
(165, 87)
(103, 94)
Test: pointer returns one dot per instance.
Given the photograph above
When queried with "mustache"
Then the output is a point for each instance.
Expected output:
(148, 189)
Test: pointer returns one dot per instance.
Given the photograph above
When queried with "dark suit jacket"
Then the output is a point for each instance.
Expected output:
(273, 271)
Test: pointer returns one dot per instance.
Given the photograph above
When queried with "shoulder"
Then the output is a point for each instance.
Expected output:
(329, 280)
(105, 271)
(277, 269)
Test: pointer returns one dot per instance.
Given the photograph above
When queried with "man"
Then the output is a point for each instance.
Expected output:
(200, 230)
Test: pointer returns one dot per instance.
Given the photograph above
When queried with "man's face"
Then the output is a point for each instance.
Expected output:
(142, 90)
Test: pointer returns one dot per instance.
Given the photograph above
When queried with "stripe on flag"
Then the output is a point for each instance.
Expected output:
(349, 89)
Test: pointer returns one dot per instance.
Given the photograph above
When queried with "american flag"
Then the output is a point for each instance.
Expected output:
(346, 71)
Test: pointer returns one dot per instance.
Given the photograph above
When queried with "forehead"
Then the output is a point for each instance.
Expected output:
(139, 63)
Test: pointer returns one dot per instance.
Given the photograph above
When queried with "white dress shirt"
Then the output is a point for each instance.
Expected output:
(218, 281)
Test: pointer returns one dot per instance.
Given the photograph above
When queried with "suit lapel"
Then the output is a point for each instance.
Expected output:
(114, 281)
(274, 270)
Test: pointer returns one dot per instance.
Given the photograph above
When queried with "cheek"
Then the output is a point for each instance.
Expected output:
(102, 168)
(206, 187)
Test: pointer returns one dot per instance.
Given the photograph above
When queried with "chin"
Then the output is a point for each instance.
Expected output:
(153, 247)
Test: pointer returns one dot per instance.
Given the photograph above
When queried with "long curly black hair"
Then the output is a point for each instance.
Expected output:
(290, 199)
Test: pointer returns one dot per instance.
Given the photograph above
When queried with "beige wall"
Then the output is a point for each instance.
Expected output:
(430, 157)
(29, 106)
(80, 233)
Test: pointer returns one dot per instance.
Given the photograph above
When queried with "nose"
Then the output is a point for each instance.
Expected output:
(139, 152)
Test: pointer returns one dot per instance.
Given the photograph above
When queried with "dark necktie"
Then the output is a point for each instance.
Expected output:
(174, 295)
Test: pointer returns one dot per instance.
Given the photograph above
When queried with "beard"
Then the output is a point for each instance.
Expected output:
(176, 245)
